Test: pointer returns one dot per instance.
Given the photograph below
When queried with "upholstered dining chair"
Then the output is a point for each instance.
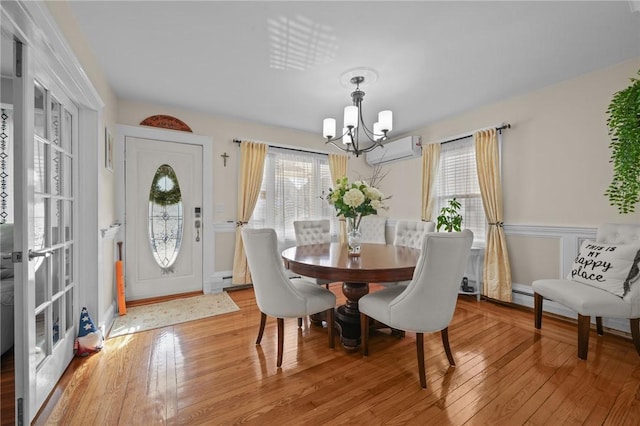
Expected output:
(276, 294)
(313, 232)
(581, 296)
(410, 233)
(427, 303)
(372, 230)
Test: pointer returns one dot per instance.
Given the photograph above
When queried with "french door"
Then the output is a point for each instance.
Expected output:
(45, 247)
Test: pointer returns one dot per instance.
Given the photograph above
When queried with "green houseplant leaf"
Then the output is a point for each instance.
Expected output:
(450, 219)
(624, 129)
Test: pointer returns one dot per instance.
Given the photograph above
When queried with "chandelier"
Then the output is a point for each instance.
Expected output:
(354, 125)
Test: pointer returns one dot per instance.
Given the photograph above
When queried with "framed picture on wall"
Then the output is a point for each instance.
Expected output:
(108, 150)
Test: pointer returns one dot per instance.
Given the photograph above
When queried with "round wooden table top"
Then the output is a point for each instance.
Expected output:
(376, 263)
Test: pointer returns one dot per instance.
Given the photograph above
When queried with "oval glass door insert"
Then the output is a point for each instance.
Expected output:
(165, 217)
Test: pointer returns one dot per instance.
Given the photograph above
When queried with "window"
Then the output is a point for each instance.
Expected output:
(294, 184)
(458, 177)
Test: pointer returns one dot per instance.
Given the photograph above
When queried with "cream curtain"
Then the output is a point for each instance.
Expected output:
(338, 169)
(497, 271)
(430, 163)
(252, 157)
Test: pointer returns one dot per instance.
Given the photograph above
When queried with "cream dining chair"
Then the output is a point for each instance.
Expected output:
(372, 230)
(313, 232)
(410, 233)
(276, 294)
(588, 300)
(427, 303)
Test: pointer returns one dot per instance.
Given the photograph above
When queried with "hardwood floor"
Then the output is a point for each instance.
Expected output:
(211, 372)
(7, 388)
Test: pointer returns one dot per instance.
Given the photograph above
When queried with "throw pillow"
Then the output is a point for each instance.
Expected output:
(610, 267)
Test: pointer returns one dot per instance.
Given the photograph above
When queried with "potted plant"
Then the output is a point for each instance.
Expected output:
(449, 217)
(624, 129)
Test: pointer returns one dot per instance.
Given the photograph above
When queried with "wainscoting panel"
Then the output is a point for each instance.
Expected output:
(570, 239)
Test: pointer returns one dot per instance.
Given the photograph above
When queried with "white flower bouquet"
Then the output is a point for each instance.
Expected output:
(355, 200)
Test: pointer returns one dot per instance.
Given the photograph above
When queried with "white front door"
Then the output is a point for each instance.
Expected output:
(45, 222)
(163, 218)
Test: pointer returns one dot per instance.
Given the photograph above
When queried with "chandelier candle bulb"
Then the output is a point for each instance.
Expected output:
(351, 116)
(329, 128)
(346, 138)
(377, 133)
(385, 118)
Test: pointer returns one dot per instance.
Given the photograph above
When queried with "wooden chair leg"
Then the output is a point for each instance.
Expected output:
(584, 326)
(445, 343)
(364, 333)
(538, 310)
(263, 321)
(280, 340)
(330, 325)
(599, 326)
(635, 333)
(420, 350)
(299, 322)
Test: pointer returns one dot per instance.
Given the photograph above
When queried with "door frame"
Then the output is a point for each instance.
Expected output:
(208, 235)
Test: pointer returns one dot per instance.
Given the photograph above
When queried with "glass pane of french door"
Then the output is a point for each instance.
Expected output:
(53, 205)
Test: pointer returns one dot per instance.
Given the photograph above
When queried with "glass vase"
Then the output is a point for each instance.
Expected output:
(354, 237)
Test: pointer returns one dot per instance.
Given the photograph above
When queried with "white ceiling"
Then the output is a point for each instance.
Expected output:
(279, 63)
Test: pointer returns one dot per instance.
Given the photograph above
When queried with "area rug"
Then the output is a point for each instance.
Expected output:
(148, 317)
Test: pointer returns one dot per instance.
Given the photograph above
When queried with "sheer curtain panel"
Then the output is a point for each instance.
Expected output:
(293, 188)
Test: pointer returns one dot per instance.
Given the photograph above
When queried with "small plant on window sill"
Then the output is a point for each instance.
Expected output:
(450, 219)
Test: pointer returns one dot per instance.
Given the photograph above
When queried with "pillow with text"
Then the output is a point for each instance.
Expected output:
(610, 267)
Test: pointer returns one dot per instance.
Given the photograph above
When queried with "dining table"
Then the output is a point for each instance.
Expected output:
(377, 263)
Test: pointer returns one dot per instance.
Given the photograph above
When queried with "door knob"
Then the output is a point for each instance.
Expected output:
(33, 254)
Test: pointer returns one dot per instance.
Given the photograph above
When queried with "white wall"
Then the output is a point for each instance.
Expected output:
(104, 291)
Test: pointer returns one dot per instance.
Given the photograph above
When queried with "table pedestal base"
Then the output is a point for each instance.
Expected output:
(348, 316)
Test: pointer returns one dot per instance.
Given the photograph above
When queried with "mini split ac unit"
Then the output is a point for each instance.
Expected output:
(399, 149)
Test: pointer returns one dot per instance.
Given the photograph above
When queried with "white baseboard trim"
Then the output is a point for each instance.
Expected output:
(109, 316)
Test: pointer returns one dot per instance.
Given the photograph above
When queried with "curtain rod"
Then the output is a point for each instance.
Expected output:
(238, 141)
(499, 128)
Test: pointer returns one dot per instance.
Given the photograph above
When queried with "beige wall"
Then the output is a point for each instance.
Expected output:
(555, 163)
(533, 258)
